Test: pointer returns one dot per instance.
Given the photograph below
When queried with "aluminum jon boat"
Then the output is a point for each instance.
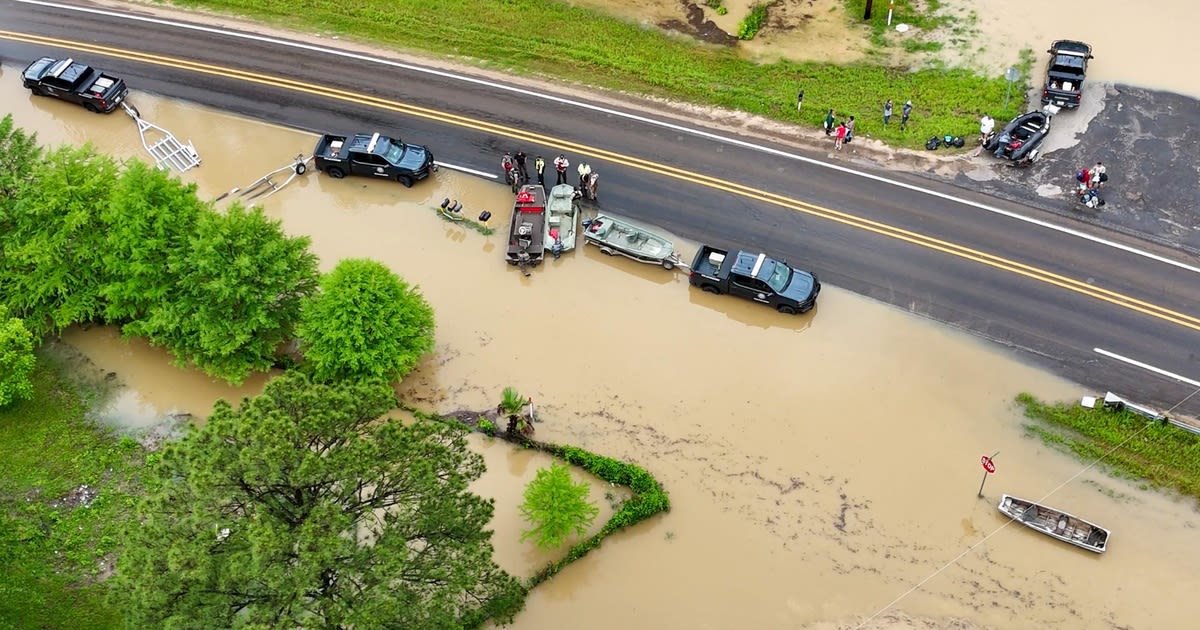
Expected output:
(614, 236)
(1055, 523)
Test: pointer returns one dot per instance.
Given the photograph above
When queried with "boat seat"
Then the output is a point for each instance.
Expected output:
(555, 219)
(634, 237)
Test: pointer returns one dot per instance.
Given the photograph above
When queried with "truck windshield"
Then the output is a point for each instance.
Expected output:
(780, 275)
(394, 153)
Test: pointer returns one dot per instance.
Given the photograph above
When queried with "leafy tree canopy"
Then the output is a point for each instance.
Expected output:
(556, 507)
(50, 273)
(304, 509)
(19, 152)
(365, 322)
(239, 285)
(16, 359)
(150, 217)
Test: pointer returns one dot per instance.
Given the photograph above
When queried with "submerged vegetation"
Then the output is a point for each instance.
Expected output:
(1129, 445)
(576, 43)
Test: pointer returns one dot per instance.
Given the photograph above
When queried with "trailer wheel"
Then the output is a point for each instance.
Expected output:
(708, 288)
(668, 264)
(335, 172)
(301, 167)
(405, 180)
(606, 251)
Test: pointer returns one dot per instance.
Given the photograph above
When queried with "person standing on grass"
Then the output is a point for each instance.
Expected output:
(905, 112)
(560, 168)
(850, 129)
(800, 100)
(829, 118)
(887, 112)
(839, 136)
(539, 165)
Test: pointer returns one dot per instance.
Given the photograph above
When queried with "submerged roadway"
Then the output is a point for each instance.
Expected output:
(1055, 293)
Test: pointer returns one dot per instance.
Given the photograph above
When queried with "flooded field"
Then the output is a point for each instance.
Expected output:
(1135, 47)
(819, 466)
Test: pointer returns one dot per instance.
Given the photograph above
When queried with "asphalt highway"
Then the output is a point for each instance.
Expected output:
(1052, 296)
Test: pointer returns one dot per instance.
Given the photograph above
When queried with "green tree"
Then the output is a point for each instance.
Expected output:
(240, 283)
(19, 152)
(50, 274)
(557, 507)
(16, 359)
(365, 322)
(151, 217)
(304, 509)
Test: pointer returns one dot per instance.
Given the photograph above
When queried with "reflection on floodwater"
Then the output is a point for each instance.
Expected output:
(814, 477)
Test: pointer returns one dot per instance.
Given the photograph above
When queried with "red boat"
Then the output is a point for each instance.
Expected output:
(527, 229)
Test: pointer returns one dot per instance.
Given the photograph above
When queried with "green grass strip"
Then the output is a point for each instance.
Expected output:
(575, 43)
(1161, 455)
(52, 552)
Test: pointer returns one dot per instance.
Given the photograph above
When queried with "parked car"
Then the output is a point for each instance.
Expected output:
(75, 82)
(374, 155)
(754, 277)
(1065, 73)
(1019, 140)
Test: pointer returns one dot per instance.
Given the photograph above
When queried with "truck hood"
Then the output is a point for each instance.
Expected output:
(414, 157)
(800, 288)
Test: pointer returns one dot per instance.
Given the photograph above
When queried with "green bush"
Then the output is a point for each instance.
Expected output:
(487, 426)
(753, 22)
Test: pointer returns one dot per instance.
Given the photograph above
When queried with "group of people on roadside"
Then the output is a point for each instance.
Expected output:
(843, 132)
(517, 174)
(1088, 182)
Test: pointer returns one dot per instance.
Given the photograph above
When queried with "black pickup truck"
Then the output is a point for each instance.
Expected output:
(755, 277)
(75, 82)
(1065, 73)
(374, 155)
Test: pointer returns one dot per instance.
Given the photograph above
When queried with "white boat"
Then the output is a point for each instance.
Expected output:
(562, 217)
(1055, 523)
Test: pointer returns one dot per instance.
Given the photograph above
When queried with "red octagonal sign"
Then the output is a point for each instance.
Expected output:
(988, 465)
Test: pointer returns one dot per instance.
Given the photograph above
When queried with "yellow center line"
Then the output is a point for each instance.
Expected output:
(862, 223)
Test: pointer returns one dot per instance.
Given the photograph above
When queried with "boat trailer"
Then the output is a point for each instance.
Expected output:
(266, 185)
(168, 152)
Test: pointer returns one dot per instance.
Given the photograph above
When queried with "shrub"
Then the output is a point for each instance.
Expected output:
(753, 22)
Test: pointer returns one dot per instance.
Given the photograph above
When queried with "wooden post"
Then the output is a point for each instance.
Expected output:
(867, 11)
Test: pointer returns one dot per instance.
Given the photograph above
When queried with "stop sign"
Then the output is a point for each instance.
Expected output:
(988, 465)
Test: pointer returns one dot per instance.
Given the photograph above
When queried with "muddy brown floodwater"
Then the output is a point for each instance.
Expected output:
(819, 466)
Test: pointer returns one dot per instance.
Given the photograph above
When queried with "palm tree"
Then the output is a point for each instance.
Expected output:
(511, 405)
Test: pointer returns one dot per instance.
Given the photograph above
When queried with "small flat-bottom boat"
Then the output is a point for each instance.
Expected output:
(1055, 523)
(562, 215)
(614, 236)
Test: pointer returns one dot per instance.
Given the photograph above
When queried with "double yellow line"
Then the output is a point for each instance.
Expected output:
(883, 229)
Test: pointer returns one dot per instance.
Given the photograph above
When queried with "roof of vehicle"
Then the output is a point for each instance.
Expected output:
(1068, 46)
(368, 143)
(68, 70)
(753, 265)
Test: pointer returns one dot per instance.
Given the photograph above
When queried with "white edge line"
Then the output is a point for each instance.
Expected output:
(1146, 366)
(642, 119)
(464, 169)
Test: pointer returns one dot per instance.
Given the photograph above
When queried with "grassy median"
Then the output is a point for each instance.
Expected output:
(1159, 454)
(554, 39)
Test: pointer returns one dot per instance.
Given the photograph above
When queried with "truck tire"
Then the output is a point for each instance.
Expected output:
(708, 288)
(36, 91)
(91, 108)
(335, 172)
(787, 309)
(405, 180)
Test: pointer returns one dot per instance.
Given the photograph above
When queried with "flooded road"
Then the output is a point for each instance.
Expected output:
(819, 466)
